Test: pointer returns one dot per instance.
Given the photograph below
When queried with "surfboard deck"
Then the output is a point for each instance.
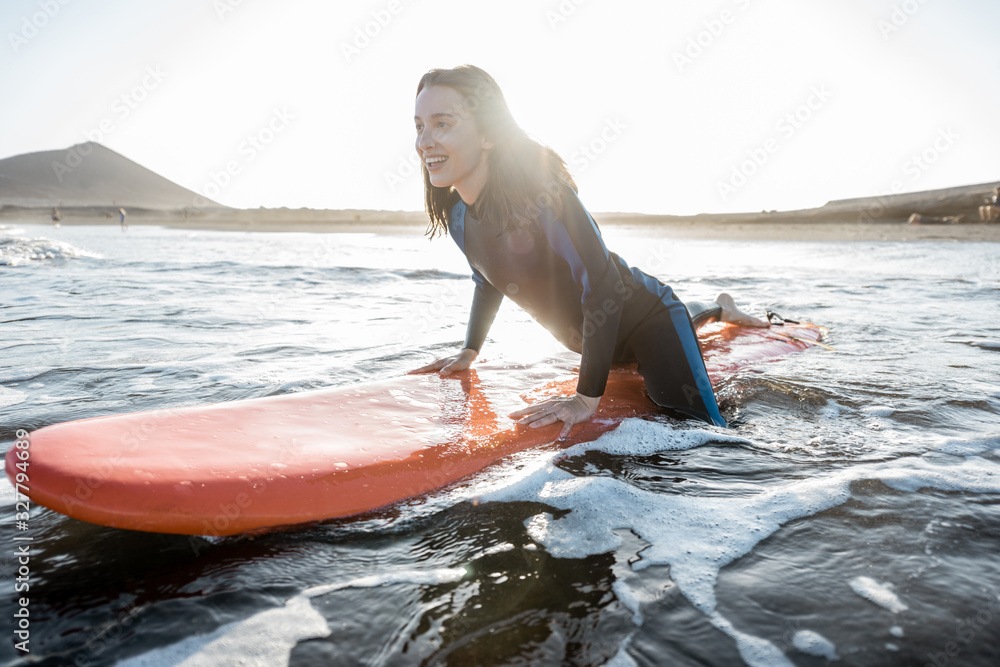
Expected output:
(259, 464)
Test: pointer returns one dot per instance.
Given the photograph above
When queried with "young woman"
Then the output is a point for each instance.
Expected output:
(512, 208)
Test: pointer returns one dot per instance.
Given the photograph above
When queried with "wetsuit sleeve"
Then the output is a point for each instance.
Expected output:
(574, 237)
(485, 303)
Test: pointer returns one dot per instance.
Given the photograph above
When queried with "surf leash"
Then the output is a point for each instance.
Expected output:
(775, 319)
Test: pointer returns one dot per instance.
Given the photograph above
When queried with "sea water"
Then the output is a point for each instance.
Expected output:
(849, 515)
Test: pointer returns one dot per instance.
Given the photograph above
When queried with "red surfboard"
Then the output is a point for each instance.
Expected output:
(258, 464)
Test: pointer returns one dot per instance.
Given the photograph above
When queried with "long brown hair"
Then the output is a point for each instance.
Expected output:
(524, 176)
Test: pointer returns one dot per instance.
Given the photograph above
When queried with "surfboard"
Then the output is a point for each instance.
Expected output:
(264, 463)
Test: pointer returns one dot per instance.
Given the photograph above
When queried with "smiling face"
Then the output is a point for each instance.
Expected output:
(449, 144)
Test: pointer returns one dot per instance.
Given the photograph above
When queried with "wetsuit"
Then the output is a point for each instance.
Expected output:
(560, 272)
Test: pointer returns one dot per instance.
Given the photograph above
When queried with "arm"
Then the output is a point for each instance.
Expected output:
(576, 239)
(485, 304)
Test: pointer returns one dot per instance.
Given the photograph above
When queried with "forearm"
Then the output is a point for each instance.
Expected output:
(602, 315)
(485, 304)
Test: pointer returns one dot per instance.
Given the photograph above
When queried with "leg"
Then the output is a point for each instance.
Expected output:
(730, 313)
(670, 362)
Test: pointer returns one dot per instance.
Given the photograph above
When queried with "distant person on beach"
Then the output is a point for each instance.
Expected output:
(121, 213)
(991, 210)
(56, 216)
(512, 208)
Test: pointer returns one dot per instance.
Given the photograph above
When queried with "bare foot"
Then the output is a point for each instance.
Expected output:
(730, 313)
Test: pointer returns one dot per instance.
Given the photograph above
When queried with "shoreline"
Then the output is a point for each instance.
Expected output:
(883, 218)
(693, 228)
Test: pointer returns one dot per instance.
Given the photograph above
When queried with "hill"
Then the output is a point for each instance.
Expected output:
(87, 175)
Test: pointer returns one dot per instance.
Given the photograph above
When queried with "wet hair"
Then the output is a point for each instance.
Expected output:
(524, 177)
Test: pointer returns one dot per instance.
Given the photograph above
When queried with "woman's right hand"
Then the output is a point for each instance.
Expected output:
(456, 362)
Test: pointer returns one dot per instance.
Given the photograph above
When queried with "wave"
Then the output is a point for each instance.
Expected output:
(15, 251)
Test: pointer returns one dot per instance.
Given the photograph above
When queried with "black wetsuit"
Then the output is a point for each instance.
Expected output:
(560, 272)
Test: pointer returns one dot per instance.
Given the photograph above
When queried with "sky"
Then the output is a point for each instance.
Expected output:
(656, 106)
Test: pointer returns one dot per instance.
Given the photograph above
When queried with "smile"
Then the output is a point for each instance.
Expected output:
(434, 162)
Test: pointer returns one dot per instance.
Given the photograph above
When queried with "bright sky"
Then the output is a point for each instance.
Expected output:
(658, 107)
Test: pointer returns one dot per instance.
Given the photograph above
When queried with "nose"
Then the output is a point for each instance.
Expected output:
(424, 141)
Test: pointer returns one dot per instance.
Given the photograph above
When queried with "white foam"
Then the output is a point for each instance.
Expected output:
(832, 410)
(878, 410)
(967, 446)
(629, 599)
(263, 640)
(622, 658)
(420, 577)
(10, 397)
(267, 639)
(880, 594)
(8, 493)
(896, 631)
(18, 251)
(697, 536)
(813, 643)
(498, 549)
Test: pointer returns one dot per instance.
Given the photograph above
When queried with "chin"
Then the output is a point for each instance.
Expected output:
(439, 182)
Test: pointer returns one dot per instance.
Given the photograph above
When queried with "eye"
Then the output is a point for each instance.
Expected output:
(419, 127)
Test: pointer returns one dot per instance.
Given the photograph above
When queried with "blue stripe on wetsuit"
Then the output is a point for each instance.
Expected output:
(682, 324)
(654, 286)
(456, 225)
(559, 238)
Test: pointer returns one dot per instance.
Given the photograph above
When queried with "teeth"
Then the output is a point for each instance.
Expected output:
(435, 160)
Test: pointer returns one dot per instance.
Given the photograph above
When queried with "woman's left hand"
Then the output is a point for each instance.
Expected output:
(567, 409)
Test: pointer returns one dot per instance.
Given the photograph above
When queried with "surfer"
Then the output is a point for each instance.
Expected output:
(121, 215)
(512, 207)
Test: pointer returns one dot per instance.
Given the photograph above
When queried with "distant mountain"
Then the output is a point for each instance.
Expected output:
(89, 174)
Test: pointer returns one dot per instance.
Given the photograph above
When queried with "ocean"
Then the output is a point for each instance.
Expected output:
(849, 515)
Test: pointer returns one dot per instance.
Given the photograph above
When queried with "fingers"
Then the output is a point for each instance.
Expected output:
(454, 366)
(567, 427)
(544, 406)
(431, 367)
(542, 415)
(425, 369)
(525, 411)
